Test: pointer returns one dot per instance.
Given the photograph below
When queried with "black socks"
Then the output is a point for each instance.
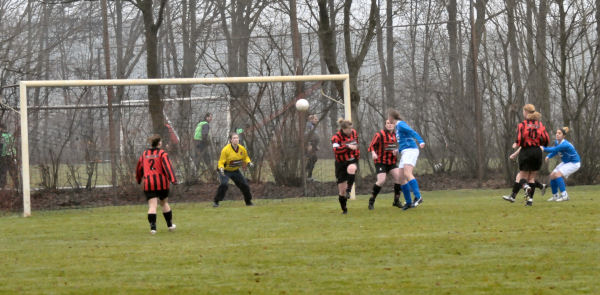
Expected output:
(152, 221)
(343, 200)
(376, 190)
(168, 217)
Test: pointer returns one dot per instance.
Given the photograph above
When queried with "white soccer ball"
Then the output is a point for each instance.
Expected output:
(302, 104)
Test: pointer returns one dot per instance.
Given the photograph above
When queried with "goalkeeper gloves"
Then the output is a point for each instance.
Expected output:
(251, 165)
(221, 171)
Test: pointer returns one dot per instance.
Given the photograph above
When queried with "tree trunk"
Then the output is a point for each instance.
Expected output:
(110, 96)
(382, 64)
(542, 97)
(155, 104)
(472, 90)
(389, 39)
(564, 102)
(453, 56)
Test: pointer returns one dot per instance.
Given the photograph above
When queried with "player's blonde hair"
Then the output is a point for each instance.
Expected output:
(564, 130)
(529, 108)
(531, 114)
(344, 124)
(536, 116)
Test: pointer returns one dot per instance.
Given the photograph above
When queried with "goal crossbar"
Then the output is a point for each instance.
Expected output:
(23, 85)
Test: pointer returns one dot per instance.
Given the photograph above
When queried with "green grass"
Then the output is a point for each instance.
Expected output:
(457, 242)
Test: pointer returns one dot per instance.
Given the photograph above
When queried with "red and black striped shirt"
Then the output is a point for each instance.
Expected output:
(155, 168)
(340, 142)
(532, 133)
(384, 144)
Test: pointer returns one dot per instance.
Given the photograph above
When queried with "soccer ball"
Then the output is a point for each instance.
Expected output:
(302, 104)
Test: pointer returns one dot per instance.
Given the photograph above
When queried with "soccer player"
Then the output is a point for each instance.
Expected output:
(345, 148)
(384, 149)
(570, 163)
(8, 161)
(531, 135)
(155, 168)
(202, 141)
(313, 145)
(233, 157)
(409, 153)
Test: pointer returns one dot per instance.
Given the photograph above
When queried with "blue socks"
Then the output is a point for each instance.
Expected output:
(406, 193)
(561, 184)
(554, 186)
(414, 185)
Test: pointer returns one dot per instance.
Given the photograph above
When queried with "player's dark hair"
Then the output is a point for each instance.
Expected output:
(344, 124)
(207, 115)
(154, 140)
(395, 115)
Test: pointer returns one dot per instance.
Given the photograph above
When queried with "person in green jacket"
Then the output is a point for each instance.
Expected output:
(8, 159)
(202, 141)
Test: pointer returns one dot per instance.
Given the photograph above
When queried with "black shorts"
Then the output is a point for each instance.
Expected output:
(341, 170)
(384, 168)
(162, 194)
(531, 159)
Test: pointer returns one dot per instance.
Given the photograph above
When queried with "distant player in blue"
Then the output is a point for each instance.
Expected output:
(409, 153)
(570, 164)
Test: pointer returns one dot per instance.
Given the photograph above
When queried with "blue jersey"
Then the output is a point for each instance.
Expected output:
(406, 136)
(567, 151)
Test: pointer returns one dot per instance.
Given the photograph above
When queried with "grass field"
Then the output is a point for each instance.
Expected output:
(457, 242)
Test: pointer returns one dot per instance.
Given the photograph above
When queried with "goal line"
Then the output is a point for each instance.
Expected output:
(24, 85)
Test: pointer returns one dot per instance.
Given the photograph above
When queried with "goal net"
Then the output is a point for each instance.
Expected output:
(74, 148)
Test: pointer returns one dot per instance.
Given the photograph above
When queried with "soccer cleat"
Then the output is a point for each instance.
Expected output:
(529, 202)
(553, 198)
(509, 198)
(397, 204)
(152, 231)
(527, 190)
(215, 204)
(249, 204)
(406, 206)
(371, 203)
(345, 211)
(544, 186)
(562, 199)
(417, 202)
(172, 228)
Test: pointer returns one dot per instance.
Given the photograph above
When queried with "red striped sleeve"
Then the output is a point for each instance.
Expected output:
(168, 168)
(139, 170)
(375, 143)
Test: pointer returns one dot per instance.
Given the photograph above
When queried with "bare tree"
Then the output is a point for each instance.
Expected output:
(151, 27)
(353, 62)
(238, 20)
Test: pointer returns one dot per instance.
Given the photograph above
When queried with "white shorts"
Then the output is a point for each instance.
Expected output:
(408, 157)
(567, 169)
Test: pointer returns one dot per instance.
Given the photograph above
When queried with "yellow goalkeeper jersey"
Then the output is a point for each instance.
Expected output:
(232, 159)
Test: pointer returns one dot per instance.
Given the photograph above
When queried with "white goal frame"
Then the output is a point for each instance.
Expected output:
(23, 85)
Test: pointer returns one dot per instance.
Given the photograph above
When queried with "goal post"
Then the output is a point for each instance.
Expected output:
(24, 85)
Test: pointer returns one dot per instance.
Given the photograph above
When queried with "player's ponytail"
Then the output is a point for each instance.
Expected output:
(565, 130)
(529, 108)
(536, 116)
(344, 124)
(395, 115)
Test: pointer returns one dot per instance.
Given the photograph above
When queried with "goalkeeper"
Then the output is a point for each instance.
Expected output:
(233, 156)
